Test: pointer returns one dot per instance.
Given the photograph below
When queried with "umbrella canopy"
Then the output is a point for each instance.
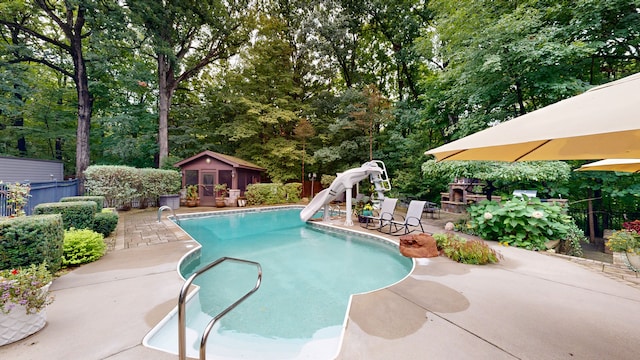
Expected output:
(601, 123)
(622, 165)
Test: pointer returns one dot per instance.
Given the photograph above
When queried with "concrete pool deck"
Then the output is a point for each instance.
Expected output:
(529, 306)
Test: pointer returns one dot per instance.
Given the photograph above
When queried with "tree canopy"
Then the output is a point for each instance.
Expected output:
(297, 86)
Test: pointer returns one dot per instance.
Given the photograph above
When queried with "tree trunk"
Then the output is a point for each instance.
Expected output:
(18, 122)
(166, 89)
(85, 100)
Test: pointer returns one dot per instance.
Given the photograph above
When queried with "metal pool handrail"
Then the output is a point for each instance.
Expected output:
(182, 321)
(166, 207)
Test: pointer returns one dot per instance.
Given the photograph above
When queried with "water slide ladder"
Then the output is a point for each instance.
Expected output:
(380, 181)
(182, 313)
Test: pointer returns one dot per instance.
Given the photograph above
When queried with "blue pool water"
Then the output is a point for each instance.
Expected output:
(309, 274)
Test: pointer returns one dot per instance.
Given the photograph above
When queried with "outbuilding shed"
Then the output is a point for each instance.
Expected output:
(209, 168)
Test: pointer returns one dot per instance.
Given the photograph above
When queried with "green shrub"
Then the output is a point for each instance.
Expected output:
(99, 200)
(156, 182)
(77, 214)
(31, 240)
(119, 184)
(82, 246)
(265, 194)
(105, 222)
(571, 245)
(293, 191)
(466, 251)
(526, 223)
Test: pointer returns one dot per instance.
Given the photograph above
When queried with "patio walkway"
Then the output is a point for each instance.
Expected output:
(529, 306)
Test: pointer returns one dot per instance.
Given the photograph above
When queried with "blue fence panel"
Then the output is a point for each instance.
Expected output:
(3, 200)
(42, 192)
(53, 191)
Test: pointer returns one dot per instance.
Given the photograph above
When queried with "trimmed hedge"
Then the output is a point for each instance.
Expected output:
(273, 193)
(28, 240)
(265, 194)
(120, 184)
(105, 222)
(77, 214)
(293, 192)
(99, 200)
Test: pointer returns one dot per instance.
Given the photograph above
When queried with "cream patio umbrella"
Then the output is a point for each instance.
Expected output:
(621, 165)
(601, 123)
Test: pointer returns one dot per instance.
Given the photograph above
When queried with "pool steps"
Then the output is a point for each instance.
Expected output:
(182, 317)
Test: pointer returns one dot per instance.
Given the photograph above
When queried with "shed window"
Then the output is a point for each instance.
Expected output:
(191, 177)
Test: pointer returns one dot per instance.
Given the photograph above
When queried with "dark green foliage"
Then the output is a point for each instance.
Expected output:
(82, 246)
(77, 214)
(99, 200)
(105, 222)
(31, 240)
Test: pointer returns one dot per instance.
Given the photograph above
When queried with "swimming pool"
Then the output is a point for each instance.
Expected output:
(309, 274)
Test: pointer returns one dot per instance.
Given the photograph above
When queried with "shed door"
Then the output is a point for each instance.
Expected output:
(207, 197)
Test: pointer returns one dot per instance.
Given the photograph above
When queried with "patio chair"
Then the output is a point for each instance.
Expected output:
(384, 215)
(411, 221)
(432, 209)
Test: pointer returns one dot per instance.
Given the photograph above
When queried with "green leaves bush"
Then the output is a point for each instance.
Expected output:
(265, 194)
(76, 214)
(120, 184)
(571, 245)
(82, 246)
(293, 192)
(28, 240)
(105, 222)
(99, 200)
(526, 223)
(468, 251)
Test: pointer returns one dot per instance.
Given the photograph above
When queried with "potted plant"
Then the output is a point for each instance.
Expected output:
(192, 196)
(24, 295)
(363, 209)
(626, 243)
(221, 192)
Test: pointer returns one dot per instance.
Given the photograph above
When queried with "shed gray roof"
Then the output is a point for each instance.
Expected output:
(231, 160)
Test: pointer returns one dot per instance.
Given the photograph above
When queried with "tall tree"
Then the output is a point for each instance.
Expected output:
(372, 113)
(186, 36)
(267, 97)
(53, 33)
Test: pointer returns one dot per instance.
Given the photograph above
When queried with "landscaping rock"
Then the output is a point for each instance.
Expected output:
(418, 246)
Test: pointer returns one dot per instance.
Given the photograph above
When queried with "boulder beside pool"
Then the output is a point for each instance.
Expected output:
(418, 246)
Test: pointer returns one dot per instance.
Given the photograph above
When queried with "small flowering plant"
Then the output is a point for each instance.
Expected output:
(624, 241)
(24, 287)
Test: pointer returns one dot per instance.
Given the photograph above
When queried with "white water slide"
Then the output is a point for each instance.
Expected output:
(344, 182)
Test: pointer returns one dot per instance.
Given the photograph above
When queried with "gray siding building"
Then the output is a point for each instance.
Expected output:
(29, 170)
